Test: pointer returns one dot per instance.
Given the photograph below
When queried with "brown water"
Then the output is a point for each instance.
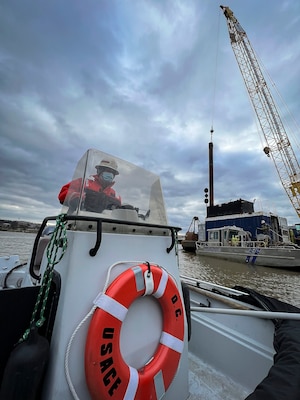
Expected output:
(279, 283)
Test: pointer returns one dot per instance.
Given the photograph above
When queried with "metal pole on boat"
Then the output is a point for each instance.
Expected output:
(249, 313)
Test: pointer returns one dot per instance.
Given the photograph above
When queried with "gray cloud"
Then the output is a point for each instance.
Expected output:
(143, 80)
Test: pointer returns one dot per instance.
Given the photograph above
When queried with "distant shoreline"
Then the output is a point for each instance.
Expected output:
(19, 226)
(20, 230)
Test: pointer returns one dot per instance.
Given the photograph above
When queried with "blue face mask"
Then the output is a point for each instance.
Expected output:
(107, 176)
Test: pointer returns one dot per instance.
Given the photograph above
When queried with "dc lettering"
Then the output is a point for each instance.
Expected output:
(178, 311)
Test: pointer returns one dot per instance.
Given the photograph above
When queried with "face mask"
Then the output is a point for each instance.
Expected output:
(107, 176)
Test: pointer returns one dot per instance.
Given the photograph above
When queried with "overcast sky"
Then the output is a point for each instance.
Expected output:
(144, 80)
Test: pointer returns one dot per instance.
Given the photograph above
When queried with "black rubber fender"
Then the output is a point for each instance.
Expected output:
(187, 306)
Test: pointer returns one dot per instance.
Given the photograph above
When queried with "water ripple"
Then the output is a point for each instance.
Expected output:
(279, 283)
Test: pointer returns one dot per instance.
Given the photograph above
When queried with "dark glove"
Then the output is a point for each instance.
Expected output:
(93, 201)
(98, 201)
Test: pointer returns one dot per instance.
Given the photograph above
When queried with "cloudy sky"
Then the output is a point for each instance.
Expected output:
(144, 80)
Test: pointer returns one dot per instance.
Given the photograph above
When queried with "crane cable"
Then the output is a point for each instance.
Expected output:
(291, 120)
(290, 123)
(215, 75)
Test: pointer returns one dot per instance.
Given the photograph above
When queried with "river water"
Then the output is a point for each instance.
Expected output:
(279, 283)
(275, 282)
(16, 243)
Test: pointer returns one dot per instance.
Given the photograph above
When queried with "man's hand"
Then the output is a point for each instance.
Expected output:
(98, 201)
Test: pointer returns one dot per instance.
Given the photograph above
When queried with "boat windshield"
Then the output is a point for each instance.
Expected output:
(114, 188)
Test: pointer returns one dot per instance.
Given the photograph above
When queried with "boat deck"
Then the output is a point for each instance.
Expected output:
(206, 383)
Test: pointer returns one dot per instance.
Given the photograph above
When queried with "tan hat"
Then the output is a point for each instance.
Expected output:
(109, 164)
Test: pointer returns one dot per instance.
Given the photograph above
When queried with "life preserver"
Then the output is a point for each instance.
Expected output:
(108, 376)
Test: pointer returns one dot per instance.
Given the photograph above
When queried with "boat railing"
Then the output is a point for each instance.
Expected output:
(285, 246)
(209, 244)
(248, 244)
(264, 243)
(72, 224)
(254, 243)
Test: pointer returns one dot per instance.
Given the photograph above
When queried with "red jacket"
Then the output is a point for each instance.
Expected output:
(71, 190)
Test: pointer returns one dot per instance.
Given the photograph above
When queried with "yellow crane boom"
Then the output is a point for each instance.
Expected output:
(278, 144)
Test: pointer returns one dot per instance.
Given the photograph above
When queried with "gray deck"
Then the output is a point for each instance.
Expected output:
(208, 384)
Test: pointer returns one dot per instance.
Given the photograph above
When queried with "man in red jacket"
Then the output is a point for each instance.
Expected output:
(99, 194)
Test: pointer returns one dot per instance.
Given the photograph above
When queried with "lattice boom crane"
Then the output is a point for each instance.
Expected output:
(278, 145)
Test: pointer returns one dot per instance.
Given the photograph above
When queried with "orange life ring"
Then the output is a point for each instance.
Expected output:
(108, 376)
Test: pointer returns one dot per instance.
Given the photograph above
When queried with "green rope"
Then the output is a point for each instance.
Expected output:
(55, 251)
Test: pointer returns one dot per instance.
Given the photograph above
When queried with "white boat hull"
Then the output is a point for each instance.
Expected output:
(278, 257)
(78, 272)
